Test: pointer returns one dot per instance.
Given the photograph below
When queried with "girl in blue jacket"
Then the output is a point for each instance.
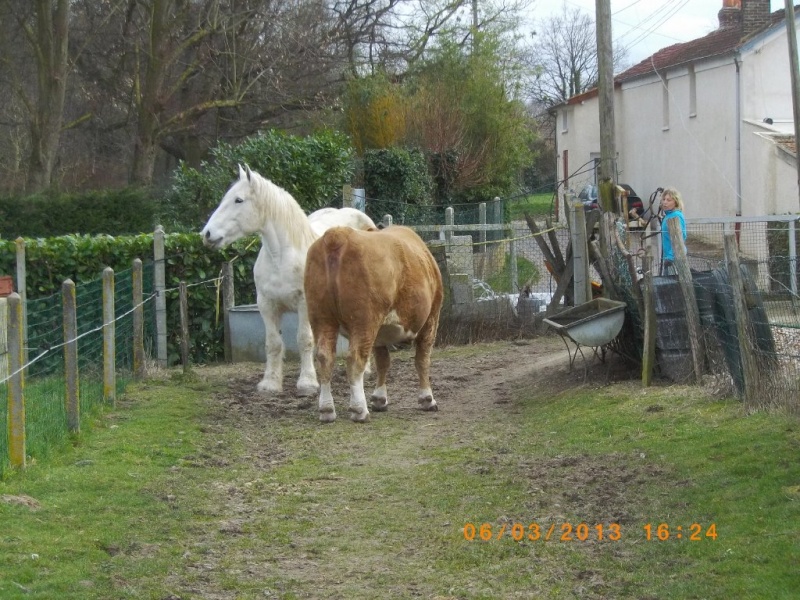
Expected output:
(672, 203)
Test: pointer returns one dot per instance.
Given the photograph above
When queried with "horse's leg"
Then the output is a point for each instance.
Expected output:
(326, 357)
(357, 358)
(379, 398)
(422, 360)
(307, 384)
(272, 382)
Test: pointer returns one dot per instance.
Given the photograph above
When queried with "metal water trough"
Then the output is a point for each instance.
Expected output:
(594, 323)
(248, 334)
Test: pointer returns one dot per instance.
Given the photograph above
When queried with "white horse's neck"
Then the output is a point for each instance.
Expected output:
(283, 222)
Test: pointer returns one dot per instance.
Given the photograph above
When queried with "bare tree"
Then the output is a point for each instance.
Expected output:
(44, 25)
(563, 58)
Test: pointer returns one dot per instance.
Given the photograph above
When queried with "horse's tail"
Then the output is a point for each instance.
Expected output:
(334, 241)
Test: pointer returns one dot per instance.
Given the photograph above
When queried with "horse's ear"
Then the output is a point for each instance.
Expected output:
(249, 173)
(242, 173)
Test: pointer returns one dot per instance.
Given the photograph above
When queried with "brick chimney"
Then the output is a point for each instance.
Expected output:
(755, 15)
(730, 15)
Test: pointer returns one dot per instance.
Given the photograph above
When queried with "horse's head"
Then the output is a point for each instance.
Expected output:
(237, 215)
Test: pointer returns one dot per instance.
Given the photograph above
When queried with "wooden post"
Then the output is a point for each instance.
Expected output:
(791, 35)
(551, 234)
(689, 299)
(347, 196)
(22, 290)
(580, 256)
(605, 86)
(109, 339)
(160, 284)
(227, 304)
(16, 383)
(750, 373)
(184, 310)
(648, 320)
(512, 249)
(72, 395)
(138, 319)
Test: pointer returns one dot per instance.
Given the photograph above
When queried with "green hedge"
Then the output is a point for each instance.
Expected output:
(82, 258)
(397, 182)
(313, 169)
(120, 212)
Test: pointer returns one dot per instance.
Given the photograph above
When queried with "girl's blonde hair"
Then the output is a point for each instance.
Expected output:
(676, 195)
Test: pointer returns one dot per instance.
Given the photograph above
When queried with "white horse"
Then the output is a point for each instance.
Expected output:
(254, 204)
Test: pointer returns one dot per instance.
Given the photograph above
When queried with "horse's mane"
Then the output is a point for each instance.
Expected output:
(279, 206)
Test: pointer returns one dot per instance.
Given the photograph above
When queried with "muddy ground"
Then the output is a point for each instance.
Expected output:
(470, 388)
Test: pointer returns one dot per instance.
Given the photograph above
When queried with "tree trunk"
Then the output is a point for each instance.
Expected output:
(50, 38)
(148, 99)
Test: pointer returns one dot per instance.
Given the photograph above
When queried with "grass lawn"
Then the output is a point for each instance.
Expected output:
(196, 487)
(536, 205)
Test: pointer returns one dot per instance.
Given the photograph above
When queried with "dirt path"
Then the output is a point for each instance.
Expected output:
(476, 387)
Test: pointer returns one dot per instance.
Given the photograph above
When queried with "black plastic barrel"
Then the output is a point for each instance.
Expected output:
(673, 349)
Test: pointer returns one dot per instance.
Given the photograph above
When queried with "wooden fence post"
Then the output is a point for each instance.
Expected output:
(109, 338)
(22, 290)
(580, 255)
(138, 319)
(689, 299)
(161, 298)
(16, 383)
(227, 304)
(71, 378)
(750, 374)
(184, 310)
(648, 319)
(512, 249)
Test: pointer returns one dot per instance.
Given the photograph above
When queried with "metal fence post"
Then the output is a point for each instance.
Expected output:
(793, 257)
(109, 335)
(160, 285)
(449, 220)
(22, 290)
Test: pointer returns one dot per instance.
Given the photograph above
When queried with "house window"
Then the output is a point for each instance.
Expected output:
(664, 104)
(692, 92)
(564, 121)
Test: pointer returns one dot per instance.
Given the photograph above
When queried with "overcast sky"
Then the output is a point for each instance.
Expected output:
(646, 26)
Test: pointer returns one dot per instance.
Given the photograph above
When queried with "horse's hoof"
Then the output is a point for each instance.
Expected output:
(359, 417)
(328, 416)
(428, 404)
(269, 387)
(307, 390)
(379, 404)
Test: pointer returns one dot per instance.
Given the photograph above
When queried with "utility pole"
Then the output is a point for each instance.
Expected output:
(791, 35)
(605, 67)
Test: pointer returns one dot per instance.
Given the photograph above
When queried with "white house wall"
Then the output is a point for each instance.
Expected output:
(697, 152)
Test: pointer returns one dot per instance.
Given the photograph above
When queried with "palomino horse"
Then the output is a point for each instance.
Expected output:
(254, 204)
(379, 288)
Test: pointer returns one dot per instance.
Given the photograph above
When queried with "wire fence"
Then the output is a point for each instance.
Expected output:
(45, 377)
(502, 286)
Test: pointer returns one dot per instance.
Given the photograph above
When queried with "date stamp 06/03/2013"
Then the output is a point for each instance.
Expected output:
(585, 532)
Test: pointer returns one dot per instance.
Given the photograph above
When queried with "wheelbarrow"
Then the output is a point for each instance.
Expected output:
(592, 324)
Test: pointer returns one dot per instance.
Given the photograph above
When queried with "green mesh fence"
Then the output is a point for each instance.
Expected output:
(45, 426)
